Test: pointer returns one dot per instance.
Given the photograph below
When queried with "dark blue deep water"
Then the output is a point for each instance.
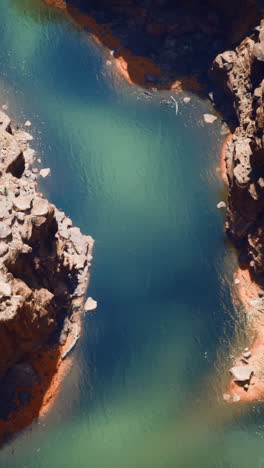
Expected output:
(146, 387)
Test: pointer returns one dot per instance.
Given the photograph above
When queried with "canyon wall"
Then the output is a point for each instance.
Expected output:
(240, 73)
(44, 262)
(181, 37)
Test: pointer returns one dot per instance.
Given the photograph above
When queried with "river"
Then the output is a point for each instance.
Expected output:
(149, 371)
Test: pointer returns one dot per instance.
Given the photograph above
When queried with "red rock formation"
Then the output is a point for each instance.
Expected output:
(240, 72)
(44, 264)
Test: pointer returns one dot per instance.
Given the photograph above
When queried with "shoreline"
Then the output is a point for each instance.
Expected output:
(134, 69)
(39, 304)
(52, 369)
(245, 290)
(52, 364)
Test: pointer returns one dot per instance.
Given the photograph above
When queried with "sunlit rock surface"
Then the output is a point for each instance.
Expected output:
(43, 264)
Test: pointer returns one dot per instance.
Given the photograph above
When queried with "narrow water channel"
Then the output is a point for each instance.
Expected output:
(146, 386)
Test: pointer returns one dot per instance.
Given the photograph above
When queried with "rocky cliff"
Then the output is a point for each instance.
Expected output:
(180, 37)
(44, 264)
(241, 74)
(44, 261)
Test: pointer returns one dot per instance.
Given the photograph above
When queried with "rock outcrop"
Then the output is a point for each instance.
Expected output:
(241, 73)
(44, 263)
(180, 37)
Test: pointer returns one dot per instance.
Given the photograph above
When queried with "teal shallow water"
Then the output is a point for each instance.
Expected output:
(146, 386)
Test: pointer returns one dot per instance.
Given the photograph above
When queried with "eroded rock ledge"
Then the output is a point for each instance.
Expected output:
(44, 263)
(241, 73)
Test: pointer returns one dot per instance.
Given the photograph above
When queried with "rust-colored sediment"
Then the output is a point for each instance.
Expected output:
(131, 67)
(56, 3)
(246, 291)
(52, 370)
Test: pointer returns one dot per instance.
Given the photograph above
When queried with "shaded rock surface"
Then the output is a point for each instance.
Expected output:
(43, 267)
(241, 74)
(181, 36)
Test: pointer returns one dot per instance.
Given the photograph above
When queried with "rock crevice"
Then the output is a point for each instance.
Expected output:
(241, 73)
(44, 261)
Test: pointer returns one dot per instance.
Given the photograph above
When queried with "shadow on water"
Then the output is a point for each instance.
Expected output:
(168, 44)
(168, 40)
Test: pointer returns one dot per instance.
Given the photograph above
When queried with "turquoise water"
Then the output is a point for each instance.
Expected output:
(146, 386)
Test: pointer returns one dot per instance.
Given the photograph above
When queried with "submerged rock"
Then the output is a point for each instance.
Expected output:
(236, 398)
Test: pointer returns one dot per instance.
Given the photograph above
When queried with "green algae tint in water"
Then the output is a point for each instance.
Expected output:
(145, 389)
